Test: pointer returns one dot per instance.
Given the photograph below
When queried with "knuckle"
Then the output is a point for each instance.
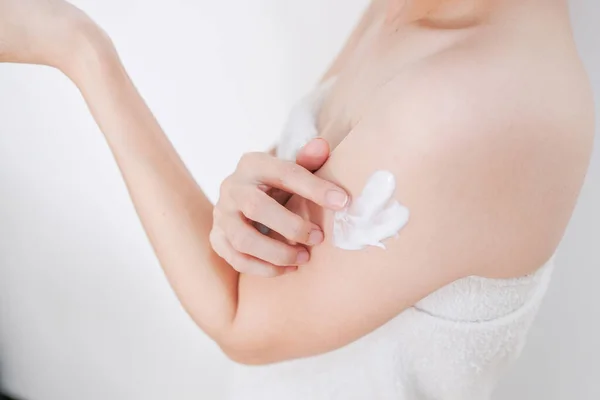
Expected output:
(292, 168)
(216, 239)
(225, 188)
(240, 240)
(251, 206)
(298, 229)
(234, 258)
(289, 173)
(213, 239)
(240, 265)
(267, 272)
(217, 214)
(286, 256)
(220, 221)
(249, 159)
(244, 159)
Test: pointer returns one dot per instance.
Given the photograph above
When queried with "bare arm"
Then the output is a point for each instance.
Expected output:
(446, 184)
(472, 210)
(175, 213)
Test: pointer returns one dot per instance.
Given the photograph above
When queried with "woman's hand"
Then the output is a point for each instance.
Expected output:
(47, 32)
(245, 200)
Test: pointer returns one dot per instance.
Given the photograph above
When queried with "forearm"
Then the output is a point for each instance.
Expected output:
(174, 211)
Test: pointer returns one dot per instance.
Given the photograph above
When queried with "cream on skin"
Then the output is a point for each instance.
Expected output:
(371, 217)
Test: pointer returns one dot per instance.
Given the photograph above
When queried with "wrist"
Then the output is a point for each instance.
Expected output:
(92, 52)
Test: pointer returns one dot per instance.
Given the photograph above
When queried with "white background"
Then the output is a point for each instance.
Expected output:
(85, 312)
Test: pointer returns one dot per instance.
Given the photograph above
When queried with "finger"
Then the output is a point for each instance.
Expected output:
(244, 263)
(247, 240)
(313, 155)
(280, 196)
(259, 207)
(292, 178)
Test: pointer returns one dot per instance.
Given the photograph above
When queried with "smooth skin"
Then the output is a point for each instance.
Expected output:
(488, 146)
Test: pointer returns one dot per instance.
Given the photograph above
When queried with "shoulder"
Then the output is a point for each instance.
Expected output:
(487, 91)
(490, 156)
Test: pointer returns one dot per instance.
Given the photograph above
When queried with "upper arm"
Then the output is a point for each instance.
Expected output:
(480, 203)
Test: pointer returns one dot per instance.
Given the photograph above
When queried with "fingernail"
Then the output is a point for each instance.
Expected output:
(302, 257)
(315, 237)
(336, 198)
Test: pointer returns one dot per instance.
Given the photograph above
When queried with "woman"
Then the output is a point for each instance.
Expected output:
(478, 110)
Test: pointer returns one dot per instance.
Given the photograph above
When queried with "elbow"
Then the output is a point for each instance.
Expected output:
(251, 352)
(244, 357)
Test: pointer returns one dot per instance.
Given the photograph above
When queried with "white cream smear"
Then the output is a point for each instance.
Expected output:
(371, 217)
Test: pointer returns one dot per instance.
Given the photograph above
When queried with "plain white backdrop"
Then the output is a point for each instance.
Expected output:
(85, 311)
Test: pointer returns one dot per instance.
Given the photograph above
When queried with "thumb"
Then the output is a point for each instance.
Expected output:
(313, 155)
